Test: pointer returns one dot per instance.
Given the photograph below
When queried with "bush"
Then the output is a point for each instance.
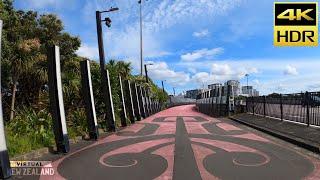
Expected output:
(29, 130)
(77, 123)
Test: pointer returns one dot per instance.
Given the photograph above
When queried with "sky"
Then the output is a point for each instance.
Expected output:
(192, 43)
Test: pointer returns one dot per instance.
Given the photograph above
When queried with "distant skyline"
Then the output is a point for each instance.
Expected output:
(193, 42)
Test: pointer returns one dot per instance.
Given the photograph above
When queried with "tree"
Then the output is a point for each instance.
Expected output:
(26, 38)
(22, 47)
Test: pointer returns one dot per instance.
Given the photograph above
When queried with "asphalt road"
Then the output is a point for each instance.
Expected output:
(181, 144)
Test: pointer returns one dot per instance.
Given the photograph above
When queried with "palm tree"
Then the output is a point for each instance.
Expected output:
(21, 64)
(124, 69)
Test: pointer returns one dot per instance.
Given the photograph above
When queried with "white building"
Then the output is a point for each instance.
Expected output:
(249, 91)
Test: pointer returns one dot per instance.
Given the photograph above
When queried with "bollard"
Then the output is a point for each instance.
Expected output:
(87, 92)
(252, 98)
(129, 102)
(123, 112)
(145, 101)
(5, 169)
(151, 109)
(136, 103)
(281, 107)
(247, 101)
(56, 100)
(229, 89)
(149, 102)
(141, 102)
(111, 120)
(157, 106)
(264, 105)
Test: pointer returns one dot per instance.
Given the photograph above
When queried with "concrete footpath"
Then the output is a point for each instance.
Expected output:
(298, 134)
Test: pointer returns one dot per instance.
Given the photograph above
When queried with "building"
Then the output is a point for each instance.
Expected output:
(193, 93)
(214, 86)
(235, 87)
(222, 90)
(249, 91)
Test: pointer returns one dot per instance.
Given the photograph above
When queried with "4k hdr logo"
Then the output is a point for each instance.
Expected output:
(296, 24)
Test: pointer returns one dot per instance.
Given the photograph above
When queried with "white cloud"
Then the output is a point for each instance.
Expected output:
(192, 70)
(161, 71)
(123, 37)
(202, 53)
(201, 34)
(221, 72)
(201, 77)
(169, 13)
(221, 69)
(256, 82)
(224, 72)
(88, 51)
(290, 70)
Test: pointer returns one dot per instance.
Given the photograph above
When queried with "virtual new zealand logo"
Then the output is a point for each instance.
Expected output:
(296, 24)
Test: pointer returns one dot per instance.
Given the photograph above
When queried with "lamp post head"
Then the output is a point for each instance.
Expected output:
(113, 9)
(108, 22)
(140, 1)
(110, 10)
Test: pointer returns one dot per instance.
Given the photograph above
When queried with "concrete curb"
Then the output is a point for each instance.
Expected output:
(311, 146)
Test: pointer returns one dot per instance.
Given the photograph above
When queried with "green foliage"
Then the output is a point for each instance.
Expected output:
(25, 40)
(29, 130)
(77, 123)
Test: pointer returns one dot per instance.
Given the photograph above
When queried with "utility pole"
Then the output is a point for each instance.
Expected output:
(141, 38)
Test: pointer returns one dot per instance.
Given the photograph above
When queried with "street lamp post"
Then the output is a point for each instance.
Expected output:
(104, 79)
(247, 75)
(162, 86)
(146, 71)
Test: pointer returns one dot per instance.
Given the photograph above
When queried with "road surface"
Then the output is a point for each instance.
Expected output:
(181, 144)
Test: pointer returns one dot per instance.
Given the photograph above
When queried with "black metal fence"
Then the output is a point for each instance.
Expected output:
(216, 102)
(299, 107)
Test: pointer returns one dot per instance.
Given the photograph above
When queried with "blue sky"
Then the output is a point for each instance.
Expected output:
(193, 43)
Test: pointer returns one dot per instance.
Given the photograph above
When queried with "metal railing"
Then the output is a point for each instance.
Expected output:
(299, 107)
(216, 102)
